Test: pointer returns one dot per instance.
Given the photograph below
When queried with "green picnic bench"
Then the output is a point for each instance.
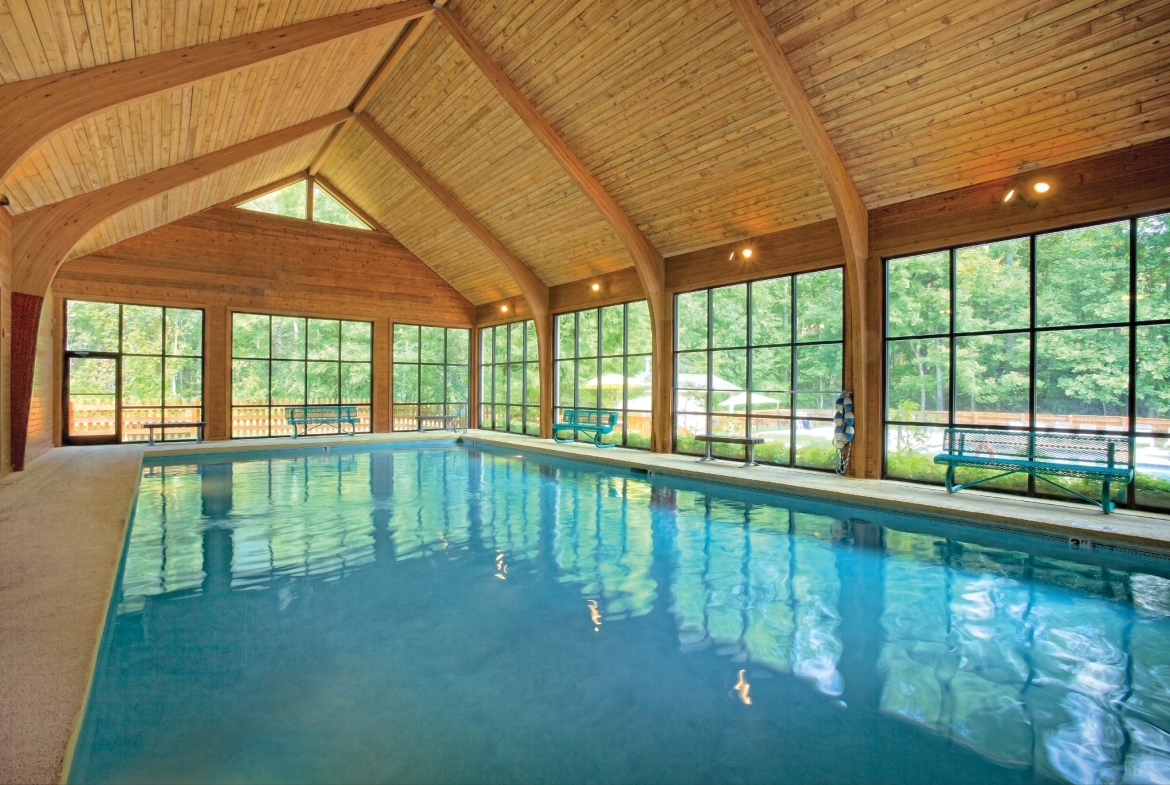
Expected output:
(593, 421)
(306, 417)
(1105, 458)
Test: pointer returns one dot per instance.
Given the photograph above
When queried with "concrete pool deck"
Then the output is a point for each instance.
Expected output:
(63, 523)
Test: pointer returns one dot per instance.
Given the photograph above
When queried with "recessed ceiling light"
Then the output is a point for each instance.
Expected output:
(747, 253)
(503, 309)
(1041, 188)
(596, 287)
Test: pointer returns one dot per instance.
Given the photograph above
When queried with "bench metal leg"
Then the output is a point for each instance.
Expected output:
(751, 456)
(1107, 504)
(199, 434)
(707, 456)
(151, 430)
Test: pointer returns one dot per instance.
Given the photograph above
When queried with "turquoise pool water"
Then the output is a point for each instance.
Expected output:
(446, 614)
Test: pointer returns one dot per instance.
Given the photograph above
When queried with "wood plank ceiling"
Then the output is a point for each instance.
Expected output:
(663, 100)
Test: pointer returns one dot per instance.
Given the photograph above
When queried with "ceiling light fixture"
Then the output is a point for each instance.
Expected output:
(1041, 187)
(596, 287)
(1015, 196)
(503, 309)
(744, 253)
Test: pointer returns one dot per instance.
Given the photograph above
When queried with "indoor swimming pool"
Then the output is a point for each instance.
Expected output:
(447, 614)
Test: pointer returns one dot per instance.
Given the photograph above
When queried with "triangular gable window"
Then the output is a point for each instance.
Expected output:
(292, 201)
(328, 210)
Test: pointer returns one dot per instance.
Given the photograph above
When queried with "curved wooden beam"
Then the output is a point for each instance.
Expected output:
(41, 238)
(34, 109)
(535, 291)
(648, 261)
(852, 216)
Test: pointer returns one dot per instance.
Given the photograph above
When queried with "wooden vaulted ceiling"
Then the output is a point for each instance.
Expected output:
(664, 101)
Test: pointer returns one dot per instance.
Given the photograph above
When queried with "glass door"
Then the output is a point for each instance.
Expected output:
(91, 397)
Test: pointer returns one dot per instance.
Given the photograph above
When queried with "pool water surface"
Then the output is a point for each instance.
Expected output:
(455, 615)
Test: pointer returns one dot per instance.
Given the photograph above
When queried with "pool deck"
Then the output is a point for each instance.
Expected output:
(63, 521)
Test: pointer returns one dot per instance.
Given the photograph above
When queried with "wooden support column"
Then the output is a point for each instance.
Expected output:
(33, 109)
(535, 291)
(476, 362)
(381, 404)
(217, 372)
(852, 216)
(647, 260)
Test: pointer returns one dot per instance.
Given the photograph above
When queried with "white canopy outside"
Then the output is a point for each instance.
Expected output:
(736, 401)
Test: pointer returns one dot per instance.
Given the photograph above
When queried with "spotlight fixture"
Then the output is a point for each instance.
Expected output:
(1041, 187)
(503, 309)
(596, 287)
(743, 253)
(1015, 196)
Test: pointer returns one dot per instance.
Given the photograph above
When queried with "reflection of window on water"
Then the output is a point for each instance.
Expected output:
(604, 543)
(1017, 657)
(766, 590)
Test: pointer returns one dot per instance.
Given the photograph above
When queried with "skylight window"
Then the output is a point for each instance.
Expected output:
(292, 201)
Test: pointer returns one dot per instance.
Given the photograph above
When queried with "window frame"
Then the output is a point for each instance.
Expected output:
(1032, 331)
(625, 355)
(446, 405)
(483, 402)
(118, 356)
(232, 406)
(792, 345)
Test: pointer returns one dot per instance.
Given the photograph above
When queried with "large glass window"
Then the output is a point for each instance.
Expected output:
(430, 373)
(282, 361)
(307, 200)
(1063, 331)
(127, 365)
(603, 362)
(509, 378)
(765, 359)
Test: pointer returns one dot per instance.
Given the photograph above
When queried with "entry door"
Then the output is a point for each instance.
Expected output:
(91, 398)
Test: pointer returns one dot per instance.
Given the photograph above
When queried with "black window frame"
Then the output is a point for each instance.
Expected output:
(118, 356)
(623, 410)
(445, 406)
(1131, 325)
(738, 453)
(530, 426)
(232, 406)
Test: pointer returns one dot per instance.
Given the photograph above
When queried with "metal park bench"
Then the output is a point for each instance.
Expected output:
(306, 417)
(151, 427)
(446, 422)
(598, 423)
(1105, 458)
(748, 442)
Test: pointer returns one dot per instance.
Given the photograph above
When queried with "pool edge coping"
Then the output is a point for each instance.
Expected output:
(856, 495)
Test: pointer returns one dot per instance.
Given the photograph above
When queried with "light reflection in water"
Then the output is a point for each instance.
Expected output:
(1038, 663)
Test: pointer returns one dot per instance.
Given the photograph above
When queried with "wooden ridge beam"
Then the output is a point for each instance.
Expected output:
(535, 290)
(403, 43)
(33, 109)
(647, 260)
(852, 215)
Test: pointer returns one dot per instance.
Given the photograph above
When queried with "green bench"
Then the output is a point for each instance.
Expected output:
(306, 417)
(1105, 458)
(592, 421)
